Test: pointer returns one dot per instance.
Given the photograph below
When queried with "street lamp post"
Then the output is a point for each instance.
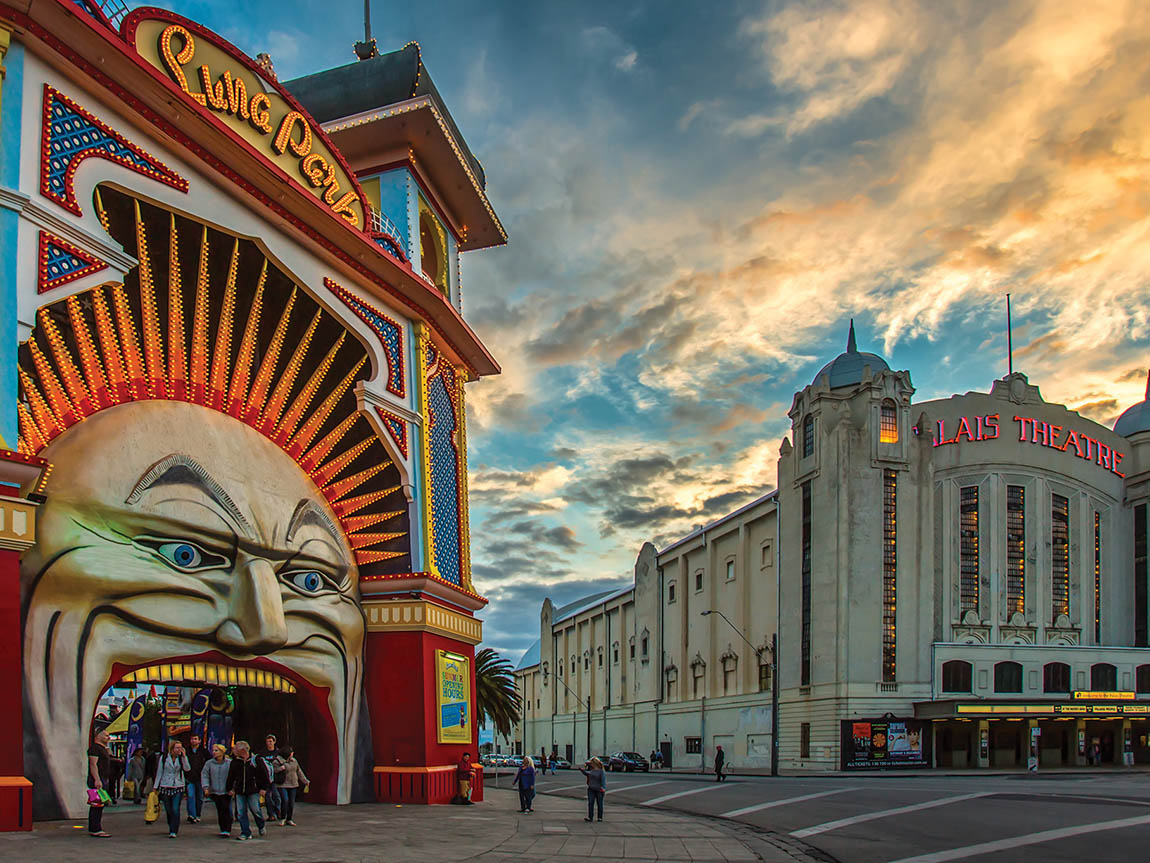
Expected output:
(581, 704)
(774, 649)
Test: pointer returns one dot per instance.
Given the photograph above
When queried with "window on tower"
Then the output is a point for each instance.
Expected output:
(808, 436)
(888, 426)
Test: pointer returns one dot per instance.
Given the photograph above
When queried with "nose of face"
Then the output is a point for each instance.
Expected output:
(255, 621)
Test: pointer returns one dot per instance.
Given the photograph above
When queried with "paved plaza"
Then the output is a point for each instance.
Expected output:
(492, 831)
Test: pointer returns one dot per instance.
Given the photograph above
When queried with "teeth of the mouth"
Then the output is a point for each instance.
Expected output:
(211, 674)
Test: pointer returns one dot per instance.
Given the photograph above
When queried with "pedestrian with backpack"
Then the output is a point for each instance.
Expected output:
(172, 784)
(247, 782)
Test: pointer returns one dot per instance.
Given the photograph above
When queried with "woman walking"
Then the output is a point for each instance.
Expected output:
(525, 779)
(293, 779)
(214, 780)
(596, 787)
(134, 774)
(172, 783)
(99, 764)
(247, 782)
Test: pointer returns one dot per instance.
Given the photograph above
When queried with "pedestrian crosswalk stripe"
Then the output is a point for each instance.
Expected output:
(747, 810)
(709, 787)
(884, 813)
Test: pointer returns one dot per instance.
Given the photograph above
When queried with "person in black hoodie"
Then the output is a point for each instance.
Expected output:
(197, 757)
(247, 782)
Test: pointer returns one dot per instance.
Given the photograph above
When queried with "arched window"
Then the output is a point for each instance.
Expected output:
(1056, 677)
(1007, 677)
(956, 676)
(808, 436)
(1142, 679)
(888, 422)
(432, 249)
(1103, 677)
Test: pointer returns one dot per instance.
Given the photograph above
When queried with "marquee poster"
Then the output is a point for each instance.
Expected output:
(453, 695)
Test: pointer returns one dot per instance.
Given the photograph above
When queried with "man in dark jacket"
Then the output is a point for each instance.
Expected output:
(247, 782)
(720, 759)
(197, 756)
(268, 757)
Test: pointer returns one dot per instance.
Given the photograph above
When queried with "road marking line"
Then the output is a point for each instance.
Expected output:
(884, 813)
(1027, 839)
(746, 810)
(713, 786)
(565, 788)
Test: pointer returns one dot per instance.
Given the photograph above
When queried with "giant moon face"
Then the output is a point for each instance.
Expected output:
(175, 533)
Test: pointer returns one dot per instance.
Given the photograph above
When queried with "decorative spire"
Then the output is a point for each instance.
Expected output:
(852, 347)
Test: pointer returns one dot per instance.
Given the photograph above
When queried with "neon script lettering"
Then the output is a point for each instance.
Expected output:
(1037, 432)
(228, 95)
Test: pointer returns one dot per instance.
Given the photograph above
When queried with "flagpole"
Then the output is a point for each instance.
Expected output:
(1009, 340)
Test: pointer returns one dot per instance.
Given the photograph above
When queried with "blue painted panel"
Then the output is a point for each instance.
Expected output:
(11, 115)
(393, 193)
(444, 483)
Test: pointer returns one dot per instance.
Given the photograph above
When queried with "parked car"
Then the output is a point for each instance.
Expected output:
(562, 764)
(628, 762)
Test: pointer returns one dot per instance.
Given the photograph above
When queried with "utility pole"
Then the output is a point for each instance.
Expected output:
(774, 648)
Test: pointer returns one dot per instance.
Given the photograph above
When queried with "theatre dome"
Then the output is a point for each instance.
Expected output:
(1137, 418)
(847, 368)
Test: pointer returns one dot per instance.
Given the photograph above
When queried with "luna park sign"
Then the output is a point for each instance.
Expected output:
(218, 78)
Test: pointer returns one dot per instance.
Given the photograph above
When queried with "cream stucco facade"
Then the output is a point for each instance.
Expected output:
(972, 569)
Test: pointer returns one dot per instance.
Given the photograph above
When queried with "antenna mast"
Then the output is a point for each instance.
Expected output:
(1009, 340)
(366, 49)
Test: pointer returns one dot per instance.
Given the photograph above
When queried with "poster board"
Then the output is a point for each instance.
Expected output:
(885, 744)
(453, 697)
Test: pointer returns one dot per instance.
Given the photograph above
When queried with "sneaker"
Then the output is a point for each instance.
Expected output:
(600, 820)
(191, 820)
(263, 832)
(586, 819)
(290, 823)
(222, 833)
(242, 838)
(171, 835)
(283, 822)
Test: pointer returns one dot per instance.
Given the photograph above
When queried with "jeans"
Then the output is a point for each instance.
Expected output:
(95, 819)
(274, 803)
(172, 805)
(223, 811)
(287, 802)
(526, 795)
(594, 798)
(246, 803)
(195, 799)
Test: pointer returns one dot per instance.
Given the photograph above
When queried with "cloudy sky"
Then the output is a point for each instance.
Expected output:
(699, 198)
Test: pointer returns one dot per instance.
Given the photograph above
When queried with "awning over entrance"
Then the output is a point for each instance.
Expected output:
(1027, 709)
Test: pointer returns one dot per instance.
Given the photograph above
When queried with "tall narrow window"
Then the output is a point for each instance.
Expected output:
(888, 425)
(1015, 549)
(889, 571)
(1140, 586)
(1097, 577)
(1059, 556)
(968, 549)
(805, 643)
(804, 740)
(808, 436)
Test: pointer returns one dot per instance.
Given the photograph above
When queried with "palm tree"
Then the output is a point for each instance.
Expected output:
(495, 694)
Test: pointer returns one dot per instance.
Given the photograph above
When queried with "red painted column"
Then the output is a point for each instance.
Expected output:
(15, 790)
(411, 765)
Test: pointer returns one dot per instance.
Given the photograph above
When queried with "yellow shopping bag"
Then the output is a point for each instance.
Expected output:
(152, 809)
(129, 788)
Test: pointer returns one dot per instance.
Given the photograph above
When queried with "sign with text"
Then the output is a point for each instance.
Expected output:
(453, 697)
(1033, 431)
(884, 744)
(217, 78)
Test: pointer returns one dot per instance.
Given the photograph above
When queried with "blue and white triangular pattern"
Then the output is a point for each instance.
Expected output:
(60, 262)
(390, 335)
(71, 134)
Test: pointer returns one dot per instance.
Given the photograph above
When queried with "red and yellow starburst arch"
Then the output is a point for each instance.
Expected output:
(207, 318)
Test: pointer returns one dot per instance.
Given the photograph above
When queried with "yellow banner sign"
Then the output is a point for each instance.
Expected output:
(218, 78)
(1104, 696)
(453, 697)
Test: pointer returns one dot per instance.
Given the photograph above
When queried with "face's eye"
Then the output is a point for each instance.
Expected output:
(183, 555)
(307, 581)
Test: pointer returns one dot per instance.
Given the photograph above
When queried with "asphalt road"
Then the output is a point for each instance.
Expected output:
(1018, 818)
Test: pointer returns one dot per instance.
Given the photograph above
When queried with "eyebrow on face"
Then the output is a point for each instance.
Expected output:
(178, 469)
(309, 512)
